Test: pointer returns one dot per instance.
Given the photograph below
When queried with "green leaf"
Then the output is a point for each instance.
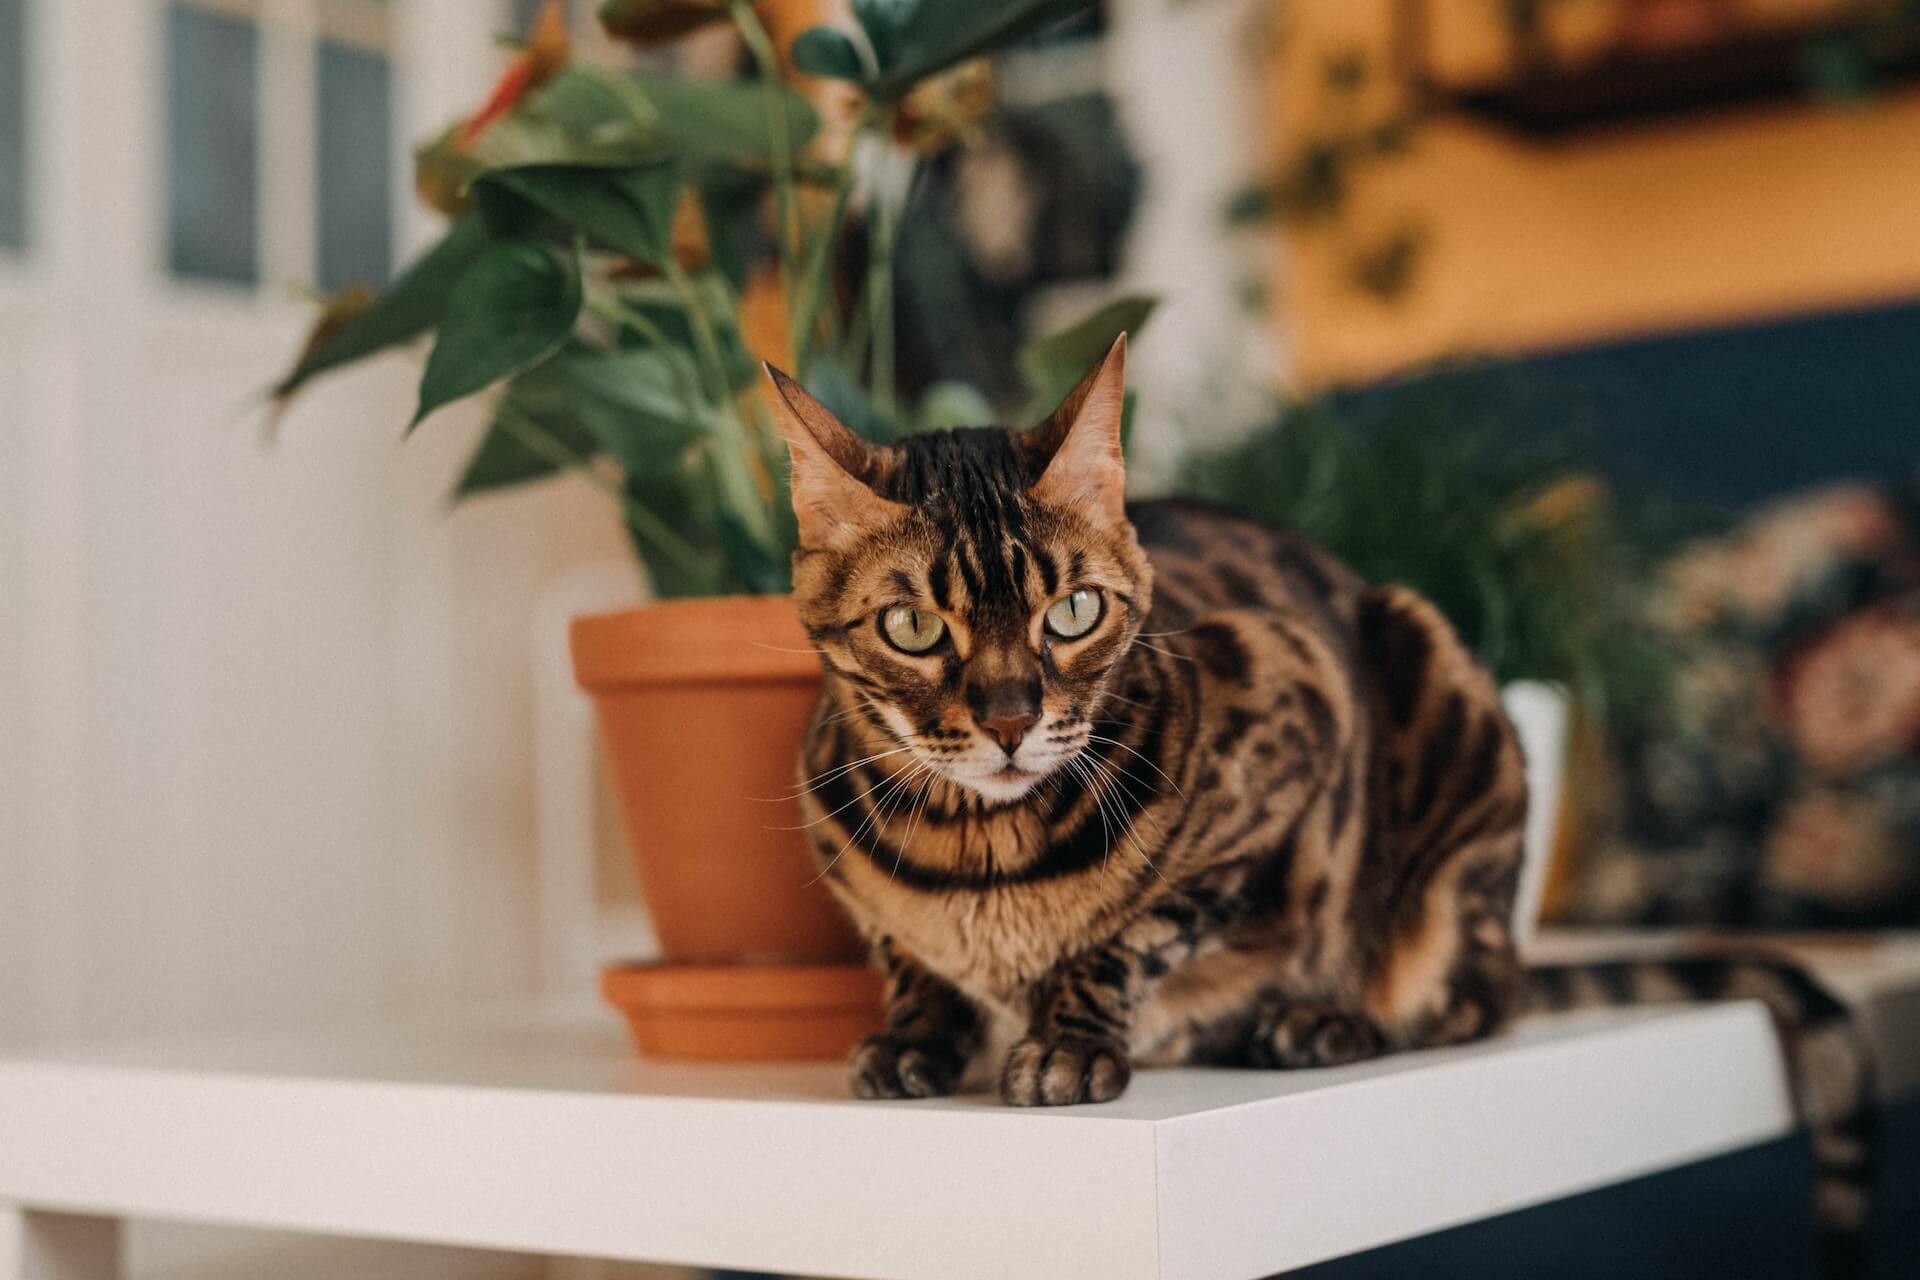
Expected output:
(711, 120)
(594, 116)
(502, 460)
(405, 309)
(731, 200)
(722, 306)
(833, 387)
(881, 21)
(514, 306)
(598, 105)
(628, 402)
(952, 404)
(651, 300)
(628, 209)
(1053, 365)
(665, 308)
(620, 403)
(913, 39)
(761, 571)
(823, 51)
(581, 116)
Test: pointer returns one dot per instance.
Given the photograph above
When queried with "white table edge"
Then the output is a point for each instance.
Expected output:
(1244, 1189)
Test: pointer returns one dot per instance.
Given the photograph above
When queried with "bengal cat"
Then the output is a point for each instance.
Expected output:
(1152, 784)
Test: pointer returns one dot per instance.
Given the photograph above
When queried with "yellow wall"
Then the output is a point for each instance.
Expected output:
(1703, 221)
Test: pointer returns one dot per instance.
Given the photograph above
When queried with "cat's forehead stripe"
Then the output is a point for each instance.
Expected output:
(1049, 571)
(937, 578)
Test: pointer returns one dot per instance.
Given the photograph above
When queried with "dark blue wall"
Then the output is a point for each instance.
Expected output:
(1731, 415)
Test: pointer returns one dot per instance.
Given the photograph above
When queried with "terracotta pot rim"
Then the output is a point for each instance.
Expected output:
(711, 640)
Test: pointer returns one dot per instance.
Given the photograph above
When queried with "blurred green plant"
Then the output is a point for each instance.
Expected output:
(1476, 493)
(604, 227)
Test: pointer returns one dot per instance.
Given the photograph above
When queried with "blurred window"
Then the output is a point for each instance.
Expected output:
(213, 127)
(13, 124)
(354, 170)
(308, 84)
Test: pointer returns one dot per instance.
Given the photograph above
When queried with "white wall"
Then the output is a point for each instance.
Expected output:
(264, 712)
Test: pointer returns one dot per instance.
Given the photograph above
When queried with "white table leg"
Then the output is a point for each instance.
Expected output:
(36, 1245)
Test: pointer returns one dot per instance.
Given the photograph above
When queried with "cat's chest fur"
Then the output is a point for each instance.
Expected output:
(990, 943)
(991, 940)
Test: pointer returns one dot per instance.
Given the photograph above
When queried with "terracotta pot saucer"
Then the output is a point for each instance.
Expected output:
(744, 1011)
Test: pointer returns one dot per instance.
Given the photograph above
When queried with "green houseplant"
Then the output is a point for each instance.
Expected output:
(605, 228)
(608, 235)
(1471, 487)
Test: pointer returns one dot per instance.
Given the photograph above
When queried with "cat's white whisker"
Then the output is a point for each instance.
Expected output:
(843, 808)
(1126, 702)
(913, 825)
(1177, 657)
(1144, 759)
(1090, 785)
(828, 775)
(902, 780)
(1119, 782)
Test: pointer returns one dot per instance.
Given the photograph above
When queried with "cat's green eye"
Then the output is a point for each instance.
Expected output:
(1074, 615)
(912, 631)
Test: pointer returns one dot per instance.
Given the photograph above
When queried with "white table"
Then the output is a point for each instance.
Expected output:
(539, 1131)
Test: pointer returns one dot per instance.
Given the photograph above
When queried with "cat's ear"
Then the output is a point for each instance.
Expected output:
(833, 469)
(1087, 472)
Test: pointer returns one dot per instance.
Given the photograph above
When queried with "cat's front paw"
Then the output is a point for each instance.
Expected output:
(887, 1066)
(1064, 1070)
(1309, 1034)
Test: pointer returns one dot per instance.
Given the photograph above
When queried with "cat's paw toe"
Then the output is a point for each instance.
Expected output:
(1312, 1035)
(885, 1066)
(1062, 1071)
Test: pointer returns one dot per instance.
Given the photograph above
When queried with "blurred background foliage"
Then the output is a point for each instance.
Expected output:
(1478, 487)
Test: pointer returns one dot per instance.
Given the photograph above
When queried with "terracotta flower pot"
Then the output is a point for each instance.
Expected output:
(701, 705)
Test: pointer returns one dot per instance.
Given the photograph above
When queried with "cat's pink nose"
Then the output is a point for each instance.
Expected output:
(1008, 730)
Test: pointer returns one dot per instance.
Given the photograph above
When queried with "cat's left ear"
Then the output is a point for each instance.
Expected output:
(1087, 472)
(834, 470)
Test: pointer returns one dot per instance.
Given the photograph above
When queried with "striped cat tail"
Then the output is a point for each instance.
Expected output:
(1829, 1065)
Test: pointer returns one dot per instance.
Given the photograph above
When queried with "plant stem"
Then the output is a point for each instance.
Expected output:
(749, 503)
(880, 293)
(619, 313)
(813, 272)
(538, 440)
(854, 350)
(820, 254)
(786, 235)
(704, 340)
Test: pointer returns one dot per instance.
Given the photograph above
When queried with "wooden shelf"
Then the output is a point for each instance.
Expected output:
(1743, 68)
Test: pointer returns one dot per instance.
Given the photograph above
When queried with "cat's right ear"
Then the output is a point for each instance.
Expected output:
(834, 470)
